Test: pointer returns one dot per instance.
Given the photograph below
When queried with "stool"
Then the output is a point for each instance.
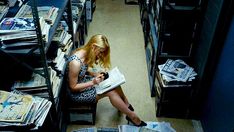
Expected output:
(79, 113)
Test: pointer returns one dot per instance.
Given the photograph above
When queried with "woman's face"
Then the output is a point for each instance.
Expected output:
(99, 52)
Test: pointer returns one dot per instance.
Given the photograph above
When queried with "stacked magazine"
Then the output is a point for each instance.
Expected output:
(19, 33)
(18, 109)
(176, 71)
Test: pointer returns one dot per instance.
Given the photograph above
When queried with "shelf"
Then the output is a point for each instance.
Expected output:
(151, 53)
(38, 54)
(153, 32)
(61, 4)
(173, 6)
(172, 111)
(172, 100)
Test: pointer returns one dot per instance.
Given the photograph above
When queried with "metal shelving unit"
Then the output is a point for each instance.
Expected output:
(38, 54)
(170, 31)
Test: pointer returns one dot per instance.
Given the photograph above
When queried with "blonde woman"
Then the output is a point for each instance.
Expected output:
(82, 82)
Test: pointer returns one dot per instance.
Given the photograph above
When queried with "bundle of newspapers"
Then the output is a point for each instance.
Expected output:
(36, 85)
(151, 127)
(18, 109)
(176, 71)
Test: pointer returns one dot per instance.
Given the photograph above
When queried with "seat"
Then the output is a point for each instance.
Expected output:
(82, 113)
(79, 113)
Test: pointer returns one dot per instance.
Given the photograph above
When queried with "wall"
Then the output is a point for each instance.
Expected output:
(203, 51)
(218, 113)
(213, 101)
(214, 29)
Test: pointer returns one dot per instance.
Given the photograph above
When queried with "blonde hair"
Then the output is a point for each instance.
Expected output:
(101, 42)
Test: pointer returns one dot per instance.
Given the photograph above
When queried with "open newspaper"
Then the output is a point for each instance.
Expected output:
(115, 79)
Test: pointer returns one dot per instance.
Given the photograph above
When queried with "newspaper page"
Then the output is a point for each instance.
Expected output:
(14, 107)
(115, 79)
(177, 69)
(151, 127)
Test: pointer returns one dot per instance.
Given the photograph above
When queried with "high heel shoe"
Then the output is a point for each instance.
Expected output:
(130, 107)
(140, 125)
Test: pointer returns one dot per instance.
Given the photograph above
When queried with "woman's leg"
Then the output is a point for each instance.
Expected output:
(122, 95)
(117, 101)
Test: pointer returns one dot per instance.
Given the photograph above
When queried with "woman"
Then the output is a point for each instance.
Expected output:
(82, 82)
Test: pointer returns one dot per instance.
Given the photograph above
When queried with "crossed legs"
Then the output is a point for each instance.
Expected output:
(119, 101)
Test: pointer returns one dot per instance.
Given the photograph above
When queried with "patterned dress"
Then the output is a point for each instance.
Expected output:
(89, 94)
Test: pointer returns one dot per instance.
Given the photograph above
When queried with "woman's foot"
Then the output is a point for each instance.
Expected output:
(142, 123)
(130, 107)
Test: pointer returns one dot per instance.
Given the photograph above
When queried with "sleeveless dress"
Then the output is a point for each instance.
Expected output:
(89, 94)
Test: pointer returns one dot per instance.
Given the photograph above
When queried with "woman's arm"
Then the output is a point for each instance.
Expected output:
(74, 69)
(94, 74)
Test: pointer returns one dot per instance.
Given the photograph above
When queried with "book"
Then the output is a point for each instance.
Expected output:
(115, 79)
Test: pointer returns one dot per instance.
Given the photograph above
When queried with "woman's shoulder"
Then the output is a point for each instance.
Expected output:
(72, 57)
(78, 56)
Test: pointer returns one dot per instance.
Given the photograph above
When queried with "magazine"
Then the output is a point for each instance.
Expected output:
(115, 79)
(14, 107)
(17, 24)
(177, 69)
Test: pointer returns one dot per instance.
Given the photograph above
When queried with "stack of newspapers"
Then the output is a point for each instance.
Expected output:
(19, 33)
(18, 109)
(176, 71)
(37, 85)
(151, 127)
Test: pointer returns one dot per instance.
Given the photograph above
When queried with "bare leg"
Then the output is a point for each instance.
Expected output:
(117, 101)
(122, 95)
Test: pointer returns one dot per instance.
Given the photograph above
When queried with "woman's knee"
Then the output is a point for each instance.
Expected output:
(112, 92)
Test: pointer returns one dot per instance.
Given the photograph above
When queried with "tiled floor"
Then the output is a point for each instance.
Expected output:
(121, 24)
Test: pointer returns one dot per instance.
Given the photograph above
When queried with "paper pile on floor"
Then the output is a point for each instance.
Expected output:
(151, 127)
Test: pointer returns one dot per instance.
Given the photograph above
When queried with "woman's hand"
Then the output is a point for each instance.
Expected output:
(99, 78)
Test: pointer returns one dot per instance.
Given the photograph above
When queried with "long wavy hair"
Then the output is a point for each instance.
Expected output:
(101, 42)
